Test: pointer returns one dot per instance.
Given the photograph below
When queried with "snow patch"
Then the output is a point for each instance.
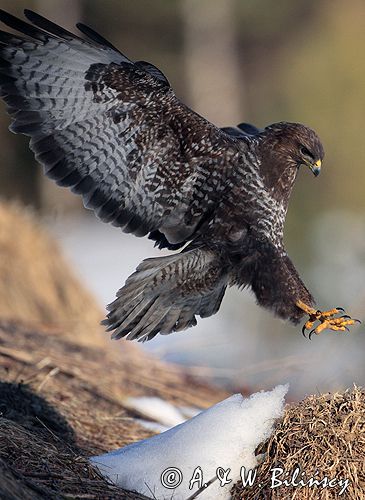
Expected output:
(151, 426)
(156, 409)
(225, 435)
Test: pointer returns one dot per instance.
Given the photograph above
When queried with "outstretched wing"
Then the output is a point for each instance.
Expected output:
(110, 129)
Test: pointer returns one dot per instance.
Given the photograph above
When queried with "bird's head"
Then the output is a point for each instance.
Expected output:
(309, 149)
(295, 145)
(284, 147)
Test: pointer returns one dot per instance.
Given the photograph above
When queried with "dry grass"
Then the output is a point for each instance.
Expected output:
(323, 433)
(36, 284)
(61, 402)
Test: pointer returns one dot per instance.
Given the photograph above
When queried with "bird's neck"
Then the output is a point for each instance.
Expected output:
(280, 184)
(278, 171)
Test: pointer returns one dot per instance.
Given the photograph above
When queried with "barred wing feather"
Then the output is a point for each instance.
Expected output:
(110, 129)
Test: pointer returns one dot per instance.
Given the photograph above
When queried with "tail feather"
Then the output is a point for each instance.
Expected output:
(131, 317)
(165, 294)
(148, 324)
(169, 323)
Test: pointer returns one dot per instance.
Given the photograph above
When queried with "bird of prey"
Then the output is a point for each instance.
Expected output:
(114, 132)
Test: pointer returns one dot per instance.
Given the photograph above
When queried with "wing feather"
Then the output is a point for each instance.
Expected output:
(111, 130)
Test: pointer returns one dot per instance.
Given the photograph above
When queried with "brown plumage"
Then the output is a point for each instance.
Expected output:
(113, 131)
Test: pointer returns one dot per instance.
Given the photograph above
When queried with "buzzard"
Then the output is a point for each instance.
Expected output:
(114, 132)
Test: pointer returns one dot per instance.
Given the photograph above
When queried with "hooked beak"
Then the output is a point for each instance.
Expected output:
(316, 167)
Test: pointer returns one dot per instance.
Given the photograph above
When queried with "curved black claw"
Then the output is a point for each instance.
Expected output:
(346, 316)
(303, 332)
(311, 333)
(348, 329)
(357, 321)
(340, 309)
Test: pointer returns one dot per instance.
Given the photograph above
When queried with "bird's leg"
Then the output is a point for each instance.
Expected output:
(326, 319)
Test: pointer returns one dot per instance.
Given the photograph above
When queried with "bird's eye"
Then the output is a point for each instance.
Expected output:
(305, 152)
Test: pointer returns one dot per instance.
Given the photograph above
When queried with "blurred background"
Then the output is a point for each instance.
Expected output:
(256, 61)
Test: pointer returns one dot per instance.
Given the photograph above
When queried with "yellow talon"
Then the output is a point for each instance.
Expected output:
(307, 309)
(325, 318)
(309, 325)
(328, 314)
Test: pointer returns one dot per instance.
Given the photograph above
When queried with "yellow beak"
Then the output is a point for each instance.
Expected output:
(316, 167)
